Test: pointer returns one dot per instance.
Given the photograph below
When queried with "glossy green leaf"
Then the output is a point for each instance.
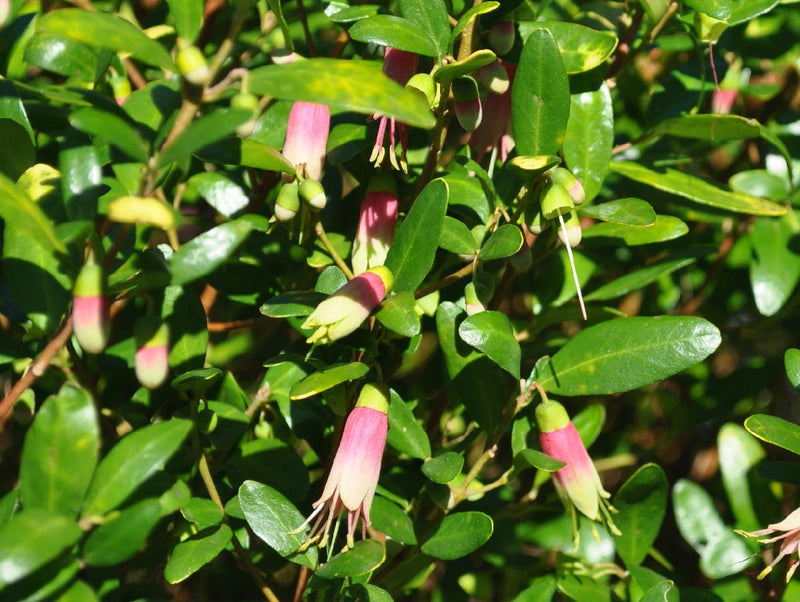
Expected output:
(183, 312)
(124, 535)
(365, 556)
(81, 175)
(327, 379)
(219, 191)
(202, 132)
(697, 190)
(79, 591)
(491, 332)
(257, 459)
(22, 214)
(666, 227)
(791, 363)
(202, 512)
(589, 423)
(580, 587)
(443, 468)
(540, 100)
(11, 107)
(774, 267)
(722, 552)
(405, 434)
(456, 237)
(589, 138)
(481, 57)
(641, 503)
(504, 242)
(31, 539)
(131, 462)
(17, 153)
(582, 48)
(342, 85)
(411, 255)
(660, 592)
(192, 554)
(760, 182)
(394, 32)
(292, 304)
(245, 152)
(471, 13)
(387, 517)
(9, 505)
(105, 30)
(188, 17)
(745, 11)
(474, 378)
(628, 211)
(775, 430)
(341, 12)
(195, 383)
(457, 535)
(112, 128)
(366, 592)
(537, 459)
(541, 589)
(204, 253)
(398, 314)
(274, 519)
(628, 353)
(739, 452)
(638, 279)
(431, 17)
(60, 453)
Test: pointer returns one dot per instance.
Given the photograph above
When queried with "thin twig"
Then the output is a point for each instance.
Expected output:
(446, 281)
(337, 259)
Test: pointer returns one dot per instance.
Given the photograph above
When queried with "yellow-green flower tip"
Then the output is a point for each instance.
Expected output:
(374, 396)
(556, 201)
(551, 416)
(386, 276)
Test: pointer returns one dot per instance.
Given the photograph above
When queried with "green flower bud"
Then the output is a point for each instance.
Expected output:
(560, 175)
(502, 36)
(468, 109)
(192, 65)
(571, 233)
(555, 201)
(313, 193)
(288, 202)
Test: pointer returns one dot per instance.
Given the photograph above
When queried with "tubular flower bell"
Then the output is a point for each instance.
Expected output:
(375, 224)
(307, 137)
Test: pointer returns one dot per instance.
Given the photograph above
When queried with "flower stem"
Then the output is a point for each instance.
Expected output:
(319, 230)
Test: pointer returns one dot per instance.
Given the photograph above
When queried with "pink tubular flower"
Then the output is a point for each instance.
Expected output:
(356, 467)
(494, 129)
(307, 137)
(789, 529)
(90, 320)
(577, 482)
(375, 224)
(346, 309)
(400, 66)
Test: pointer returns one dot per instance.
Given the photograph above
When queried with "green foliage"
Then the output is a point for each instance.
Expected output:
(154, 141)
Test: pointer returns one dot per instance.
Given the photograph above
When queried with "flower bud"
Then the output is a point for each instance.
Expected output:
(537, 224)
(493, 77)
(152, 351)
(120, 86)
(192, 65)
(467, 103)
(502, 36)
(560, 175)
(312, 192)
(90, 320)
(555, 201)
(571, 233)
(307, 137)
(288, 202)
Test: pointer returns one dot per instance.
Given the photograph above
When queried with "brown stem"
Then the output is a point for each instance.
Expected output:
(223, 326)
(35, 370)
(447, 280)
(302, 15)
(626, 55)
(337, 259)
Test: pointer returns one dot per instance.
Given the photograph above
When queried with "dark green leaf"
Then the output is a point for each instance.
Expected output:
(399, 315)
(431, 17)
(503, 243)
(666, 227)
(447, 73)
(257, 460)
(641, 503)
(105, 31)
(387, 517)
(194, 553)
(202, 512)
(124, 535)
(638, 279)
(540, 97)
(491, 333)
(131, 462)
(17, 152)
(457, 535)
(406, 435)
(582, 49)
(443, 468)
(220, 192)
(112, 128)
(195, 383)
(456, 237)
(411, 255)
(791, 362)
(30, 540)
(327, 379)
(202, 132)
(394, 32)
(22, 214)
(274, 519)
(364, 557)
(624, 354)
(247, 153)
(628, 211)
(81, 175)
(292, 304)
(188, 17)
(542, 589)
(343, 85)
(589, 138)
(775, 430)
(537, 459)
(697, 190)
(60, 453)
(470, 14)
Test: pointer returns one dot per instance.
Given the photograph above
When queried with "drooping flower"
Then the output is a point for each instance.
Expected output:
(347, 308)
(400, 66)
(151, 361)
(789, 536)
(494, 130)
(375, 224)
(577, 482)
(307, 137)
(90, 320)
(356, 467)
